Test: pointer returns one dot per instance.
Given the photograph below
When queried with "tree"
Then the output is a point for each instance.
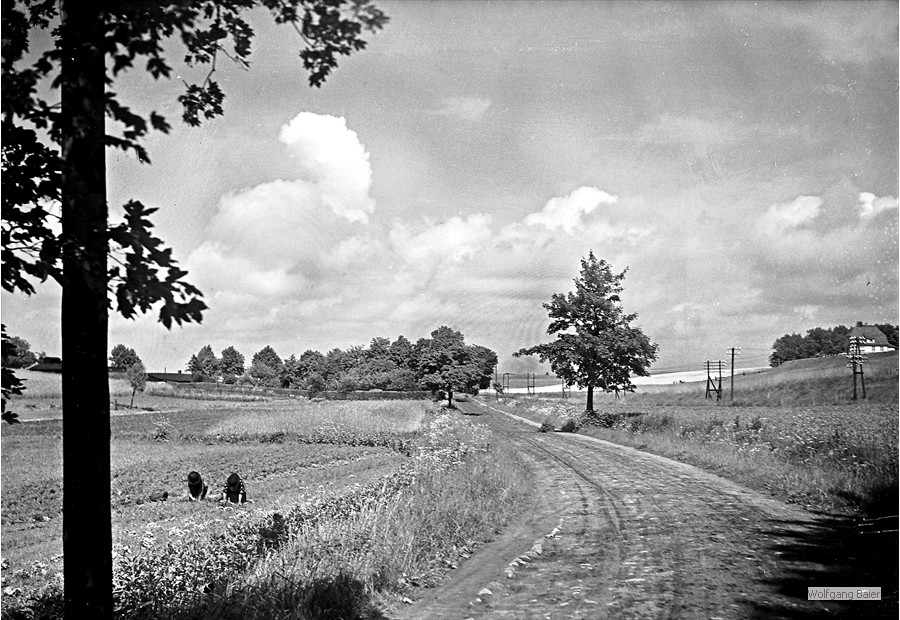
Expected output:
(11, 384)
(336, 362)
(17, 353)
(447, 363)
(891, 331)
(123, 357)
(267, 367)
(486, 360)
(379, 348)
(595, 346)
(204, 363)
(231, 365)
(312, 362)
(53, 157)
(291, 373)
(136, 375)
(402, 353)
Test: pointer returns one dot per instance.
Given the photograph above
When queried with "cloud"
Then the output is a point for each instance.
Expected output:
(426, 247)
(567, 212)
(836, 266)
(780, 218)
(285, 237)
(332, 157)
(468, 109)
(872, 205)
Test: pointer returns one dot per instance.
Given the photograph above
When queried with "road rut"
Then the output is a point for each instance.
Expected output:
(615, 532)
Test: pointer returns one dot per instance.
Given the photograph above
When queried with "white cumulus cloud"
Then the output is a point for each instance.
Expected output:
(332, 157)
(567, 212)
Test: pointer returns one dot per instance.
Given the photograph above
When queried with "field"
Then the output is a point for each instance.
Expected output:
(372, 500)
(359, 504)
(815, 381)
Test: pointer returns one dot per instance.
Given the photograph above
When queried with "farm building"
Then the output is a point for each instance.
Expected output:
(174, 377)
(872, 340)
(48, 364)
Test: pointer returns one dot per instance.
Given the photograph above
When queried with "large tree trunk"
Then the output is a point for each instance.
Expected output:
(87, 529)
(449, 398)
(590, 398)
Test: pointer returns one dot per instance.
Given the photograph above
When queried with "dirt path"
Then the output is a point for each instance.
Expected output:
(615, 532)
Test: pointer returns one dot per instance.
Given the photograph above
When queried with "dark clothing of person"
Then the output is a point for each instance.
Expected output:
(196, 487)
(234, 491)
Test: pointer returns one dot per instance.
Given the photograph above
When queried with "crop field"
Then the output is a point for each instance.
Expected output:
(838, 457)
(330, 470)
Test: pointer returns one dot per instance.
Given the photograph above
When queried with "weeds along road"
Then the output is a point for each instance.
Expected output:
(613, 532)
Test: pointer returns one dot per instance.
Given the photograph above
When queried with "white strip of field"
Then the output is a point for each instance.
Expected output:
(659, 379)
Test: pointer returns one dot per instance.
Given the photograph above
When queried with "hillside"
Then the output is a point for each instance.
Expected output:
(820, 381)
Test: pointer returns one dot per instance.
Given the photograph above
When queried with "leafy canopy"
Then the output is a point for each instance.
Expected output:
(231, 364)
(446, 362)
(142, 271)
(123, 357)
(204, 362)
(595, 345)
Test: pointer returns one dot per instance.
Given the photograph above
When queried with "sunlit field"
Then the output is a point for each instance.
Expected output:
(373, 500)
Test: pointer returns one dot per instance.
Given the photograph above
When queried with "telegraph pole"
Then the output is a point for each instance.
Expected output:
(711, 385)
(857, 359)
(734, 351)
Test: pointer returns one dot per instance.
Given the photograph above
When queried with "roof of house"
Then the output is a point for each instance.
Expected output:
(173, 377)
(872, 334)
(47, 364)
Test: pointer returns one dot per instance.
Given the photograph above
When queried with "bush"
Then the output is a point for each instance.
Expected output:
(315, 384)
(569, 426)
(603, 419)
(547, 427)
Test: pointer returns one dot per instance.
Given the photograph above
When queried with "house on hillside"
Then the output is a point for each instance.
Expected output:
(47, 364)
(872, 339)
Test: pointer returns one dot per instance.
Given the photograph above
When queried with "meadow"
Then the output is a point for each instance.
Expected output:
(355, 505)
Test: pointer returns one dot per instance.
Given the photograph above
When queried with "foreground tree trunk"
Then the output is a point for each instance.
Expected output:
(590, 399)
(449, 398)
(87, 529)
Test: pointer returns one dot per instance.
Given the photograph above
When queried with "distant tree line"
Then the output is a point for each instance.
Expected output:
(443, 362)
(17, 353)
(820, 342)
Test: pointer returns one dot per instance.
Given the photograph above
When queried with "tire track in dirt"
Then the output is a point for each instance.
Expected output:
(627, 534)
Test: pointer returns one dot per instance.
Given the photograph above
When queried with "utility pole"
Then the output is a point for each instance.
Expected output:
(857, 359)
(734, 351)
(711, 385)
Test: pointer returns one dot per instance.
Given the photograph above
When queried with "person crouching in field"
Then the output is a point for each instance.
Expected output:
(234, 492)
(196, 487)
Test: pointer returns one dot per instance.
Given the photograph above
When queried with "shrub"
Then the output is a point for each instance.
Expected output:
(570, 426)
(315, 384)
(603, 419)
(547, 427)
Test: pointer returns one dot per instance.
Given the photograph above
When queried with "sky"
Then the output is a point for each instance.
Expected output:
(739, 159)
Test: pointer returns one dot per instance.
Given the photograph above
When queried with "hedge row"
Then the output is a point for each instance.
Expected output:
(330, 395)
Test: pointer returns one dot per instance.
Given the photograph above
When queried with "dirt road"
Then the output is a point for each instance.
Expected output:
(618, 533)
